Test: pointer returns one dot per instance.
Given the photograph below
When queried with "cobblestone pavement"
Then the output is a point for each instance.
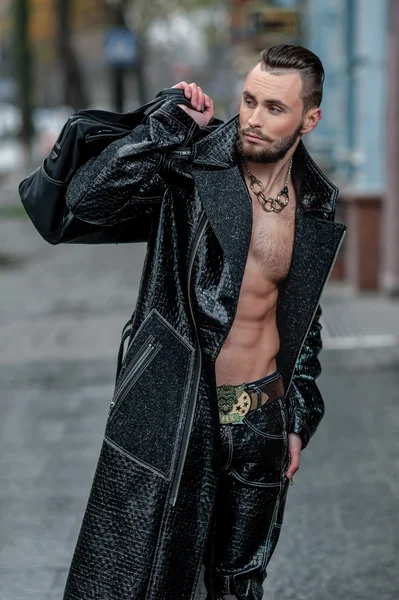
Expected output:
(61, 312)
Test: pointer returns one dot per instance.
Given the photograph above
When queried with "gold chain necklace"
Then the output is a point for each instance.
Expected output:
(270, 204)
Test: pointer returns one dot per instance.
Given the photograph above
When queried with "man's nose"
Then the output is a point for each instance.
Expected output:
(255, 120)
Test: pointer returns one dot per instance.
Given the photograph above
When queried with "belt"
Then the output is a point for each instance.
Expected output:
(235, 401)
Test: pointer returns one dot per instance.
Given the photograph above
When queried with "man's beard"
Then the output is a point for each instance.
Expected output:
(266, 155)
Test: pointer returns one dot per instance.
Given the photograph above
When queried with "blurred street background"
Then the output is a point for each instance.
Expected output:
(62, 308)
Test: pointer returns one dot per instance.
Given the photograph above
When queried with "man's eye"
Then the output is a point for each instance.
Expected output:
(275, 110)
(249, 102)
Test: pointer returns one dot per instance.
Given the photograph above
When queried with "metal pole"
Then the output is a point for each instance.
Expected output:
(23, 73)
(74, 92)
(118, 88)
(116, 10)
(390, 233)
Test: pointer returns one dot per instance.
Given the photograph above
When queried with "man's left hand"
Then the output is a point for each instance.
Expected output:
(199, 101)
(294, 449)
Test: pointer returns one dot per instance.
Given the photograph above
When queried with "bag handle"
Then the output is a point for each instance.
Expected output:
(132, 118)
(174, 95)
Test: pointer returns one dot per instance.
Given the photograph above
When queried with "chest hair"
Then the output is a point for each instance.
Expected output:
(272, 243)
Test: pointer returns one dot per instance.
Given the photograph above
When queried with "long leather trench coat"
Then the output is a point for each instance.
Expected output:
(181, 189)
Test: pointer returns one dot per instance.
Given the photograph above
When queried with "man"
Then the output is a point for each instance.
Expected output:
(216, 396)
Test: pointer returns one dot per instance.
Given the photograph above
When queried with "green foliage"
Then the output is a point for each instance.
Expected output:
(12, 212)
(141, 12)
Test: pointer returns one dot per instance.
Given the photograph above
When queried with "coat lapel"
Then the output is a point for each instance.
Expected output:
(316, 245)
(225, 198)
(226, 201)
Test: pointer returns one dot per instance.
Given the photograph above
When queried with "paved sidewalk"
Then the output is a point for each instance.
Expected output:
(56, 301)
(61, 311)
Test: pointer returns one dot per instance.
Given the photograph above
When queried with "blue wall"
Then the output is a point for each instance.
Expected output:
(350, 38)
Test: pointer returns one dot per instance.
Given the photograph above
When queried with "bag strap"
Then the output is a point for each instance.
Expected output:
(126, 331)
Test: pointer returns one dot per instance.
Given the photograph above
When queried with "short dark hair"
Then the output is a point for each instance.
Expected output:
(285, 57)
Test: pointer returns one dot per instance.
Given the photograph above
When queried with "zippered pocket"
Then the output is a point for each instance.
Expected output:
(105, 134)
(152, 395)
(140, 362)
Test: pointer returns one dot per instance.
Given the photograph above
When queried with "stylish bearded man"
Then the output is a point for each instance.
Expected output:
(216, 397)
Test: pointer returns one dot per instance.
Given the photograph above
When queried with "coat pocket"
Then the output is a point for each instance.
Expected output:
(150, 400)
(139, 363)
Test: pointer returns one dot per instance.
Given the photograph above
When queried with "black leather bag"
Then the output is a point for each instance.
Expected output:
(85, 135)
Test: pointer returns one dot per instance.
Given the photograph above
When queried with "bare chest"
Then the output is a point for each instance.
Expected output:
(272, 241)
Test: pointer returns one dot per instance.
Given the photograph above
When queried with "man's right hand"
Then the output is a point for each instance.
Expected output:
(199, 101)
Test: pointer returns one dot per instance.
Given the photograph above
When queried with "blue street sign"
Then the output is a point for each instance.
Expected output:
(120, 47)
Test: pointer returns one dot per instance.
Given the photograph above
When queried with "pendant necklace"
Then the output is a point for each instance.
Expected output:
(269, 204)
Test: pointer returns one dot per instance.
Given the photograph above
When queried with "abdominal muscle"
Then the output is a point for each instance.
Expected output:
(249, 352)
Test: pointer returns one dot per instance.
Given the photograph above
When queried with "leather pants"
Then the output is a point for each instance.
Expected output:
(250, 503)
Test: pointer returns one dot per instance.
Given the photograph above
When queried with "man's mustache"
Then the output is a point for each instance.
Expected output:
(259, 134)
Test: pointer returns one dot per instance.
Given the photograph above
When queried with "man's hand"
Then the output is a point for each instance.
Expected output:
(294, 449)
(199, 101)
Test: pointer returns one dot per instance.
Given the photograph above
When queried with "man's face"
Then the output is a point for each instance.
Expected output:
(271, 115)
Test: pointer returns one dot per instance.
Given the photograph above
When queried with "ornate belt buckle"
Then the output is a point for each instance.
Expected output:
(233, 404)
(241, 407)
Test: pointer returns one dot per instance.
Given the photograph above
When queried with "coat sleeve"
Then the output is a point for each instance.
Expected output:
(126, 180)
(112, 197)
(306, 402)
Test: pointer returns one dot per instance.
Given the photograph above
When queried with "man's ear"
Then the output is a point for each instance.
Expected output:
(311, 120)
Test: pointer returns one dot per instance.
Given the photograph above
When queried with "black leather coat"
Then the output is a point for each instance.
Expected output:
(181, 189)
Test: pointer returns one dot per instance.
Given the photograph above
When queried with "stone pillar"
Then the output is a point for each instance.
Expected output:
(362, 260)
